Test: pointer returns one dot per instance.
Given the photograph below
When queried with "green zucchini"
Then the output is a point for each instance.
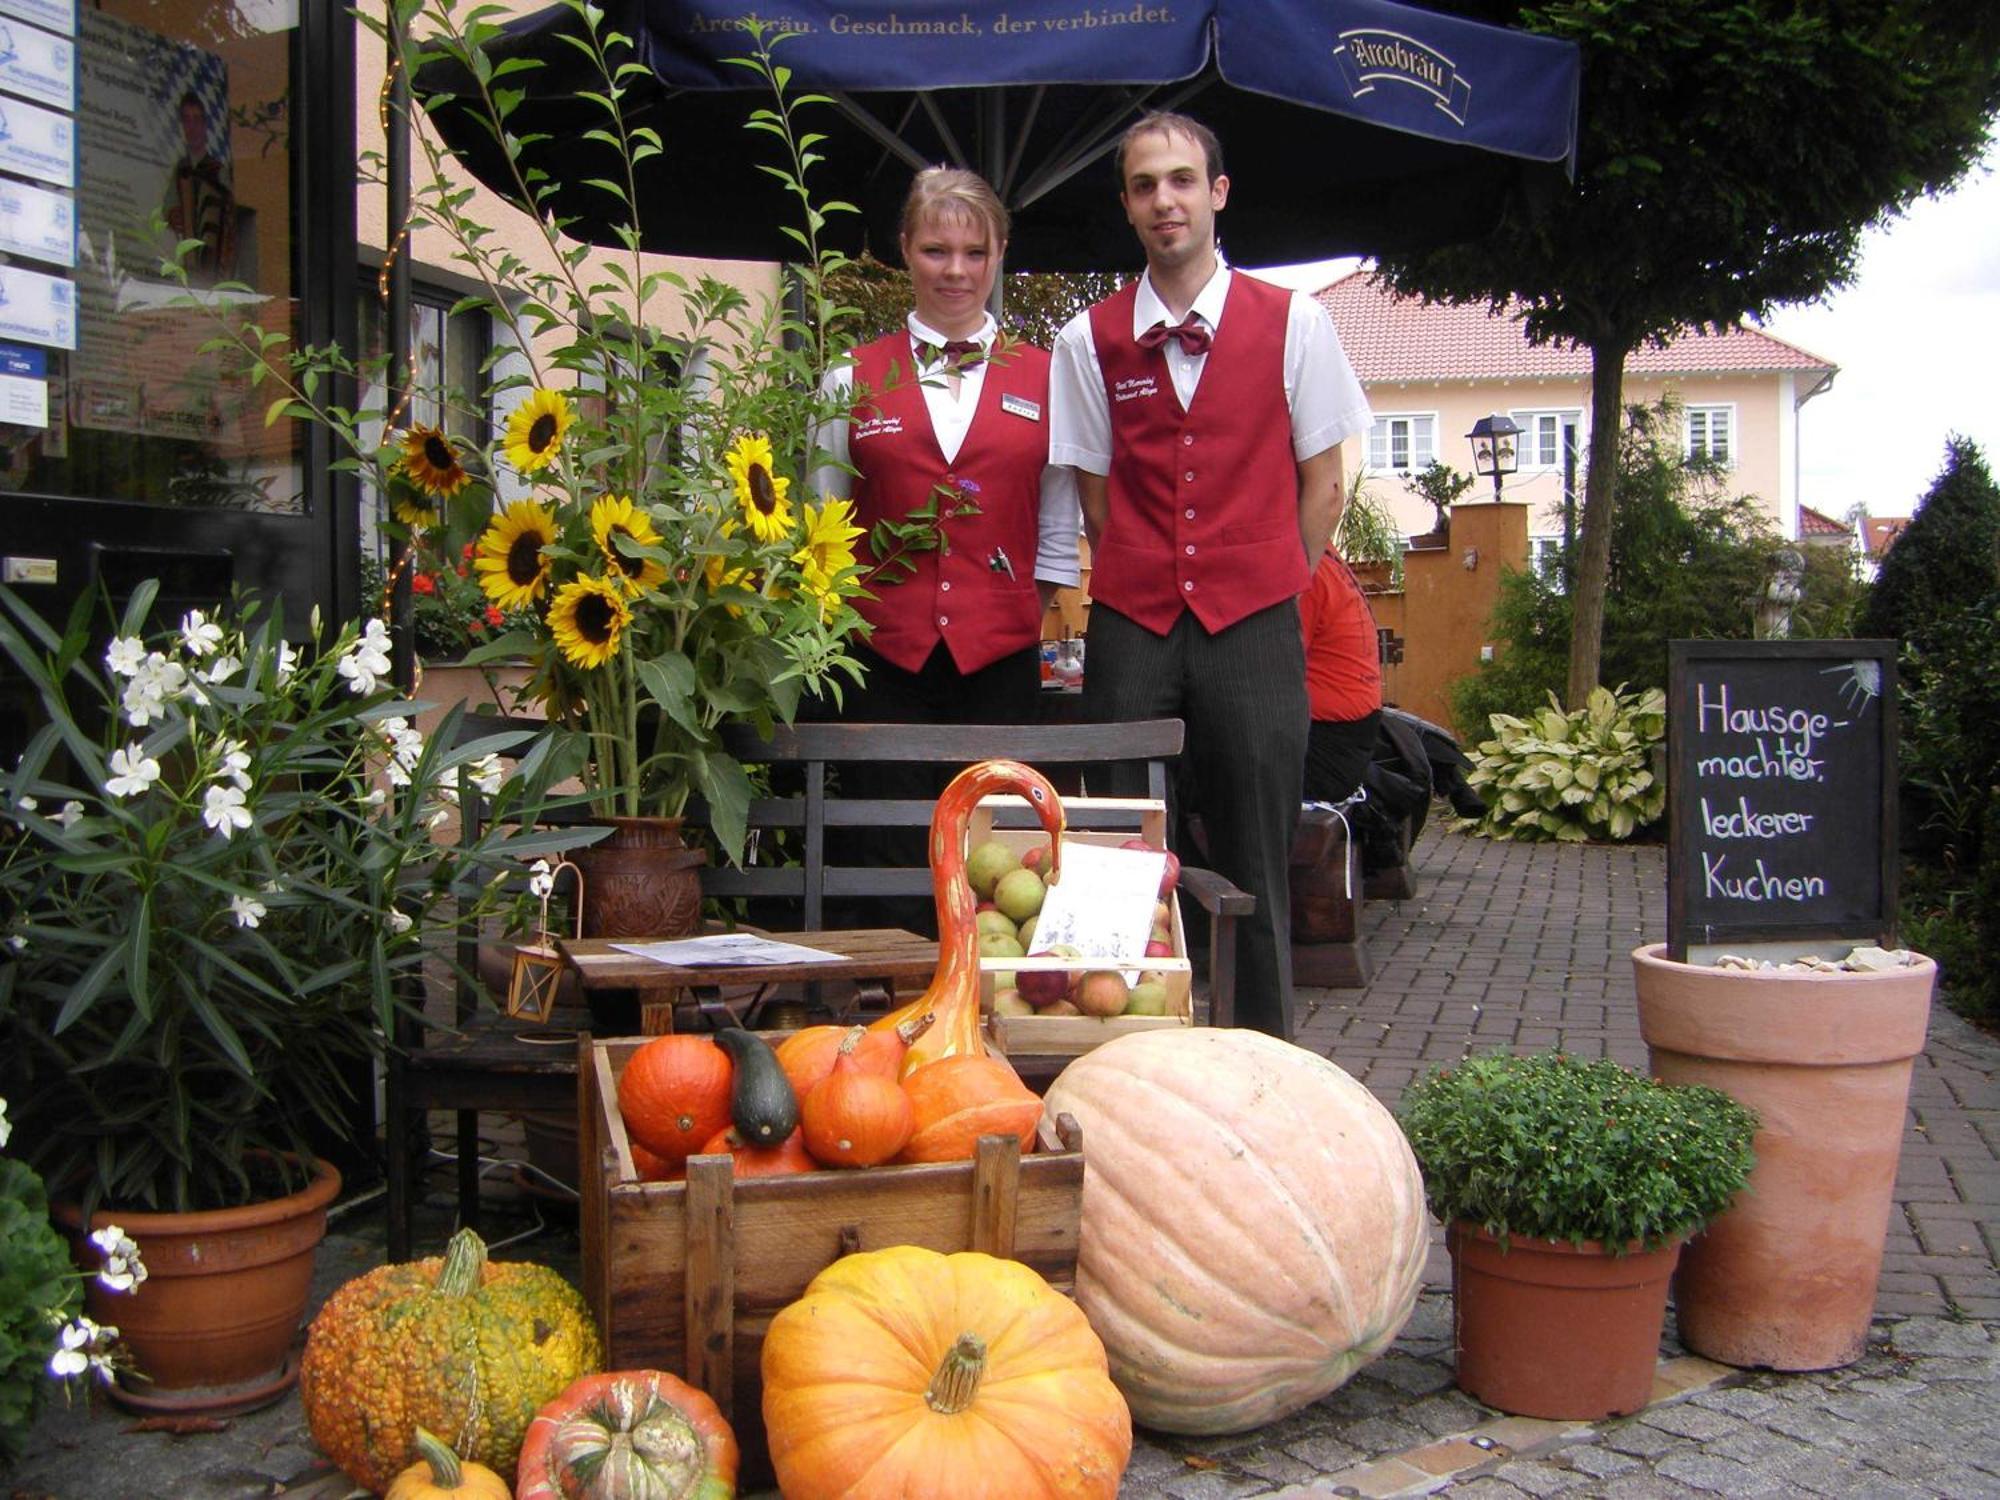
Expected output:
(762, 1104)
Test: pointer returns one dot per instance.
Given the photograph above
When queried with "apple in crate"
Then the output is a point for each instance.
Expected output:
(986, 864)
(1043, 988)
(1173, 873)
(1101, 992)
(1008, 1002)
(1149, 996)
(1038, 859)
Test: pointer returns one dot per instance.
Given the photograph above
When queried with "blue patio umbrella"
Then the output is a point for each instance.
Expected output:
(1349, 126)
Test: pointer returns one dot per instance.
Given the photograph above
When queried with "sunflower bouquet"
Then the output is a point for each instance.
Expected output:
(642, 519)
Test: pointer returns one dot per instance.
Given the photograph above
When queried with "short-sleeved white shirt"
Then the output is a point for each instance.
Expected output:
(1321, 391)
(1060, 514)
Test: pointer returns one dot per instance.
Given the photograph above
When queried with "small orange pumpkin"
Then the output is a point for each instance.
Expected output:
(653, 1167)
(440, 1474)
(906, 1372)
(956, 1100)
(626, 1434)
(674, 1094)
(788, 1156)
(855, 1118)
(807, 1056)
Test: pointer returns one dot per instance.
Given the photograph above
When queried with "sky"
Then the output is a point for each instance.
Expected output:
(1915, 337)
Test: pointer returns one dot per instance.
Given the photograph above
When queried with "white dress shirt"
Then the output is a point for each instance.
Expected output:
(951, 413)
(1325, 398)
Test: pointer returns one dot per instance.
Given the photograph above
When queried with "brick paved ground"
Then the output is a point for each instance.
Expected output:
(1514, 946)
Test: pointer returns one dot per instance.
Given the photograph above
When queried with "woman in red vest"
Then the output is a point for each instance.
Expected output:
(954, 413)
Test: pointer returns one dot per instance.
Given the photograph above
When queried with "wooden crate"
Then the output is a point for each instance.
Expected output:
(1024, 1037)
(686, 1276)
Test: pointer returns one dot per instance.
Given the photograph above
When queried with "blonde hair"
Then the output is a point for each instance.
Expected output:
(950, 193)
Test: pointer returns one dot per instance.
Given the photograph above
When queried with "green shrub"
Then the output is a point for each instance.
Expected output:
(1573, 776)
(1555, 1147)
(38, 1290)
(1948, 556)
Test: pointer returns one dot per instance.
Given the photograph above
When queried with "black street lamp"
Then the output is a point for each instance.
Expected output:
(1496, 447)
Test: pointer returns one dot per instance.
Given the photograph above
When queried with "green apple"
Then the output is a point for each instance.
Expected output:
(995, 921)
(987, 864)
(1149, 997)
(1008, 1002)
(999, 945)
(1019, 893)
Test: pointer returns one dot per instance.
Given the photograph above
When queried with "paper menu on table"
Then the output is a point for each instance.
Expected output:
(746, 948)
(1102, 904)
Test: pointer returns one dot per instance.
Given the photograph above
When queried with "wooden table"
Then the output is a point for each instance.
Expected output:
(877, 956)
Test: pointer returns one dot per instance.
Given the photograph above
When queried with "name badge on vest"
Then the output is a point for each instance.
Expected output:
(1021, 406)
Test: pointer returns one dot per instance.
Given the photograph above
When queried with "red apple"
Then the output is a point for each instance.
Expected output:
(1039, 859)
(1159, 948)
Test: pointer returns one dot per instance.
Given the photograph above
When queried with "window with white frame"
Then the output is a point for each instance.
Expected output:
(1711, 434)
(1542, 435)
(1402, 444)
(1545, 556)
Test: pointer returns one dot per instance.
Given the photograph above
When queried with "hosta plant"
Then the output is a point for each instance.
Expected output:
(1556, 1147)
(1574, 776)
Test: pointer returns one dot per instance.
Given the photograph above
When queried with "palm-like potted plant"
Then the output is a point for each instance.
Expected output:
(218, 890)
(1567, 1187)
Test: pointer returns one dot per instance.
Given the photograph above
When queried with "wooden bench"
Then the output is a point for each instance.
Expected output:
(799, 881)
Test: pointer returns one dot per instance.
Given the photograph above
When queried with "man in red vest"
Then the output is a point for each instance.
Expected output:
(1203, 411)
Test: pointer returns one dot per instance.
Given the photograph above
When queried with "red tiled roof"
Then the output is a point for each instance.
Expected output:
(1817, 523)
(1879, 533)
(1397, 338)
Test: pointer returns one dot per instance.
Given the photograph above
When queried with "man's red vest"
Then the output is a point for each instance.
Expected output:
(979, 610)
(1204, 503)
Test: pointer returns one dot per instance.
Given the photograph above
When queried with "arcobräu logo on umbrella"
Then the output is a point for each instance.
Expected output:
(1371, 57)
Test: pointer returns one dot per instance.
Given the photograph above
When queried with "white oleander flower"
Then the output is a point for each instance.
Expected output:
(156, 681)
(235, 764)
(400, 921)
(288, 661)
(125, 655)
(132, 771)
(247, 910)
(222, 809)
(223, 668)
(487, 774)
(199, 634)
(406, 747)
(6, 1126)
(541, 880)
(26, 804)
(366, 662)
(71, 813)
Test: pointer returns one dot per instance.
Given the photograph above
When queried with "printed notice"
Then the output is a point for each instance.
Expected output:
(58, 15)
(37, 309)
(24, 386)
(39, 223)
(1102, 903)
(37, 143)
(732, 948)
(37, 66)
(1778, 765)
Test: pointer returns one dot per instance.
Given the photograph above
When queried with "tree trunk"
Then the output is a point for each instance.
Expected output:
(1600, 490)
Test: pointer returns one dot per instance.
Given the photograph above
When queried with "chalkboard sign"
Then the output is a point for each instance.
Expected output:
(1781, 796)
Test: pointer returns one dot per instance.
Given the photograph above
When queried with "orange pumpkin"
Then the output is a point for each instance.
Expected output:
(627, 1434)
(788, 1156)
(807, 1056)
(905, 1372)
(855, 1118)
(674, 1094)
(953, 996)
(653, 1167)
(956, 1100)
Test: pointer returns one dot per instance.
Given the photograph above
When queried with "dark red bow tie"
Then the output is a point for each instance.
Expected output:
(960, 353)
(1194, 338)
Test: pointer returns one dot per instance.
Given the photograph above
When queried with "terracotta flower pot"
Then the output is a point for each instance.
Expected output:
(211, 1327)
(1551, 1329)
(1785, 1278)
(642, 881)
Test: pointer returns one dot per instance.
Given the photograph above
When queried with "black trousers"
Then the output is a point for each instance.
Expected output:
(1337, 755)
(1006, 692)
(1242, 694)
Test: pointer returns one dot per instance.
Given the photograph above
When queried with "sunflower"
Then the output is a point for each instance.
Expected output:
(588, 619)
(510, 564)
(760, 492)
(829, 548)
(431, 462)
(408, 506)
(536, 428)
(614, 516)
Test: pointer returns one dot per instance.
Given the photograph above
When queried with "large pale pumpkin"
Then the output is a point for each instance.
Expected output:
(903, 1372)
(1254, 1228)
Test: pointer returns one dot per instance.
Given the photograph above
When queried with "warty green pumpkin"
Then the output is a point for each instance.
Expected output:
(465, 1347)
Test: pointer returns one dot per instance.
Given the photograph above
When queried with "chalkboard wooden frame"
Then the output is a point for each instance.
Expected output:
(1696, 930)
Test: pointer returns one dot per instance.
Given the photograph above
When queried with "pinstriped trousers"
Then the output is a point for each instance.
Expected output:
(1242, 694)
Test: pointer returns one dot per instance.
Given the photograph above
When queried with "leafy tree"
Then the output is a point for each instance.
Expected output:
(1730, 157)
(1037, 304)
(1687, 561)
(1947, 555)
